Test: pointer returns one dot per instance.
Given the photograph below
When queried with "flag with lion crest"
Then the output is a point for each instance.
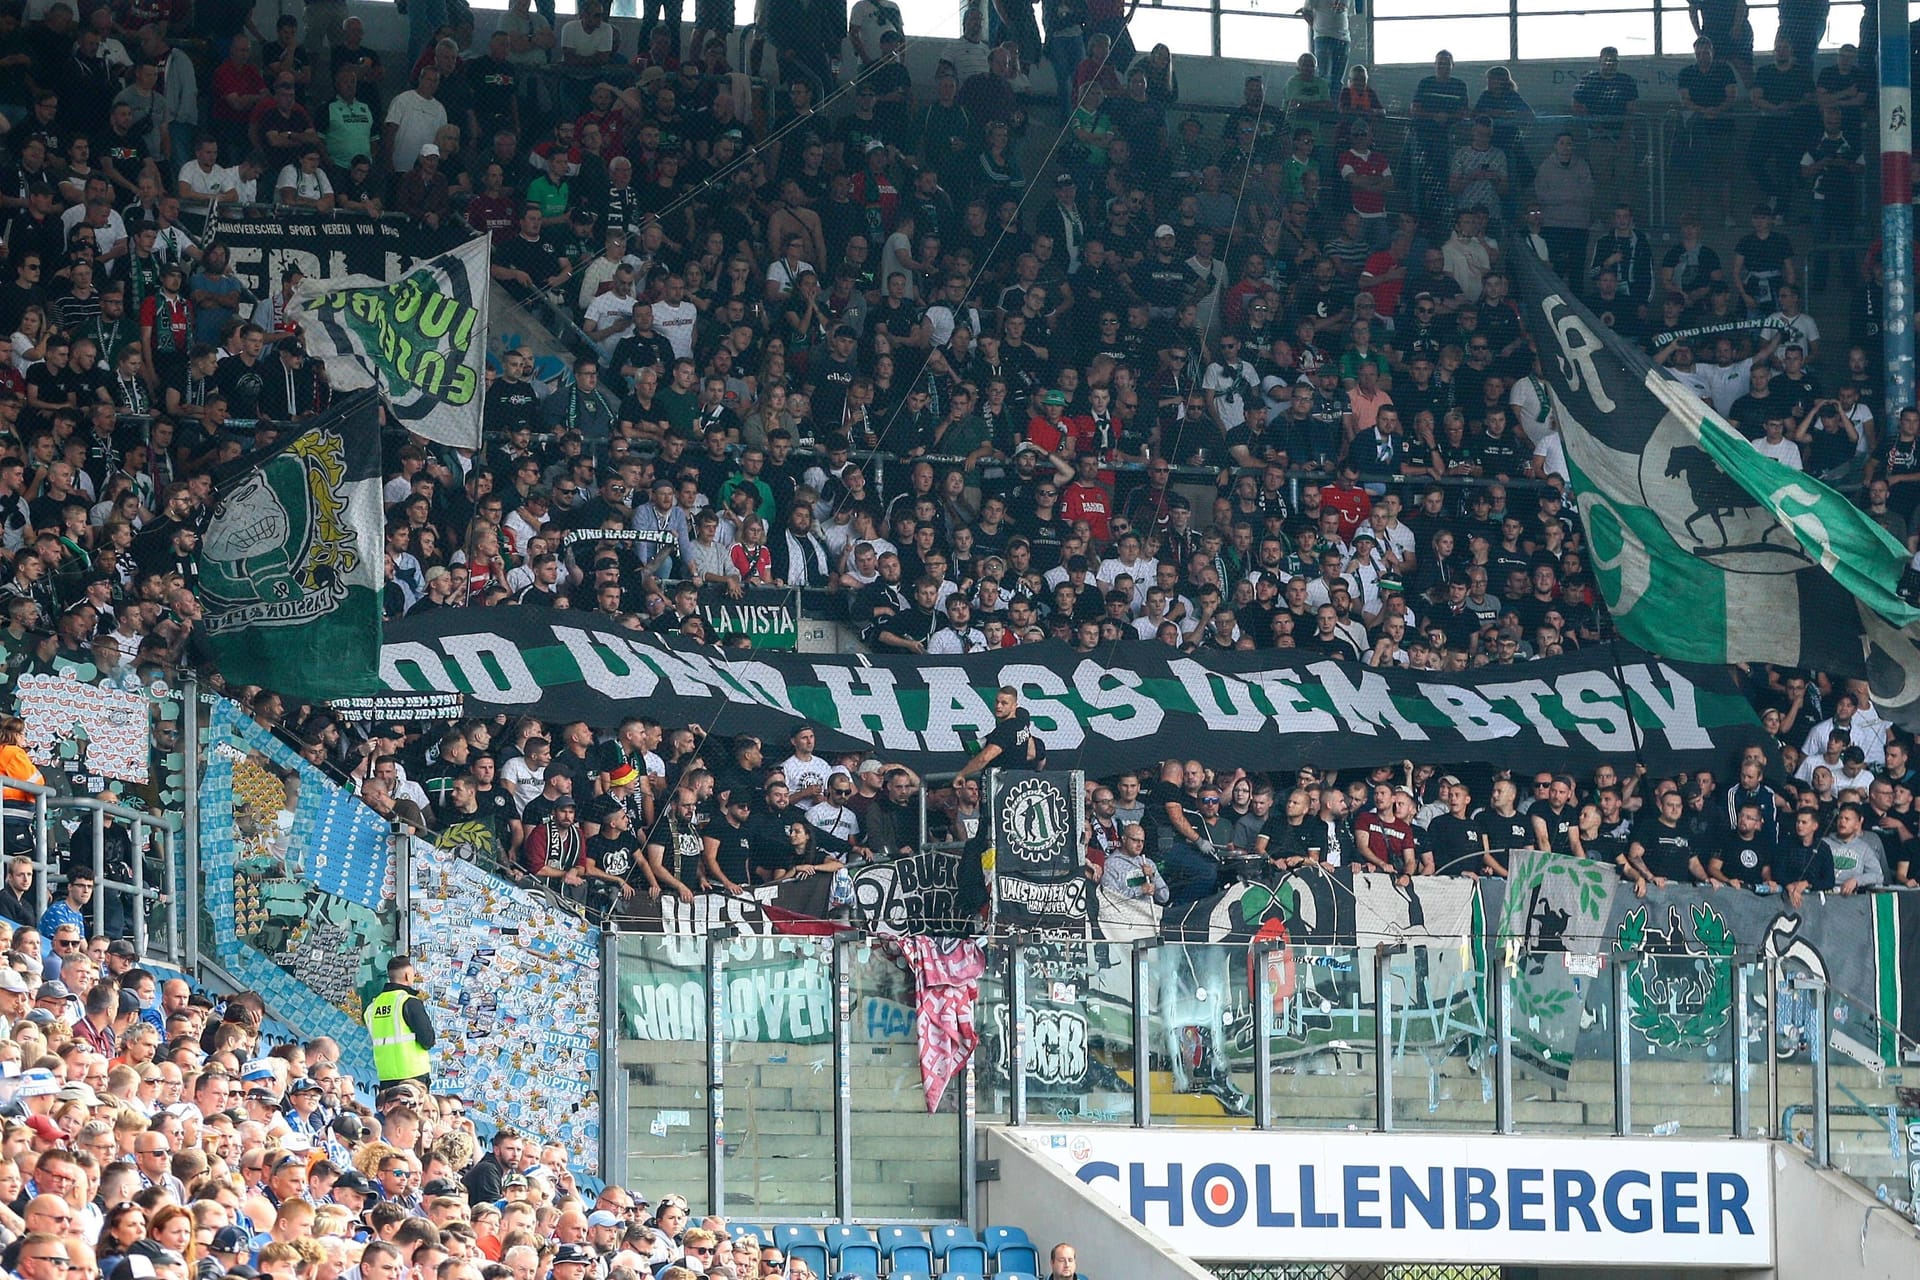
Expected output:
(291, 563)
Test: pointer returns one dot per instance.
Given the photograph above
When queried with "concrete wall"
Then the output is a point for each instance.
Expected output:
(1828, 1226)
(1035, 1193)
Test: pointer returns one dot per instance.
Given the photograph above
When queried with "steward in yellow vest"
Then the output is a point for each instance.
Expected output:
(401, 1029)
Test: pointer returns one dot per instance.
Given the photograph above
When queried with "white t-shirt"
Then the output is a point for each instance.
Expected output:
(871, 18)
(1330, 21)
(786, 276)
(1532, 400)
(801, 774)
(575, 38)
(605, 309)
(1726, 383)
(1785, 452)
(522, 781)
(1551, 453)
(1801, 329)
(676, 323)
(308, 186)
(893, 252)
(416, 120)
(105, 239)
(948, 640)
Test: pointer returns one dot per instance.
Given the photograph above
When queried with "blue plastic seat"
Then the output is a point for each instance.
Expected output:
(1017, 1259)
(964, 1257)
(840, 1235)
(998, 1236)
(910, 1259)
(857, 1258)
(905, 1249)
(893, 1235)
(910, 1275)
(735, 1230)
(963, 1275)
(1015, 1275)
(946, 1237)
(788, 1234)
(814, 1255)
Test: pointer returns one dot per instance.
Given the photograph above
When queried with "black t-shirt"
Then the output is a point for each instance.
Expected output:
(511, 405)
(734, 847)
(1020, 747)
(616, 855)
(1763, 265)
(538, 258)
(680, 843)
(1745, 860)
(494, 84)
(1708, 88)
(1666, 850)
(54, 387)
(1454, 844)
(1506, 833)
(769, 858)
(1560, 826)
(242, 383)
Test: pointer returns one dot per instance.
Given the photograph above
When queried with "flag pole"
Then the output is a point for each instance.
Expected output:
(1896, 204)
(1626, 695)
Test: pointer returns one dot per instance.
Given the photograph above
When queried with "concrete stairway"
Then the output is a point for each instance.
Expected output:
(779, 1129)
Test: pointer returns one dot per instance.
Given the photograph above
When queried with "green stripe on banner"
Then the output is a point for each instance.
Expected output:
(554, 665)
(1097, 710)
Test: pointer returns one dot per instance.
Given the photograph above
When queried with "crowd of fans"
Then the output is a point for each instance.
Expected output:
(1255, 381)
(149, 1133)
(967, 374)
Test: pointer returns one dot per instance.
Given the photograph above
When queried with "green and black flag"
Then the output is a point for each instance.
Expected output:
(1706, 550)
(421, 339)
(292, 566)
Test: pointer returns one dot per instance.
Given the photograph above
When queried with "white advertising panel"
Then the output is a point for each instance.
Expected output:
(1355, 1197)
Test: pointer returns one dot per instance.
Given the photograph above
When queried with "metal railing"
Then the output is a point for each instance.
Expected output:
(131, 903)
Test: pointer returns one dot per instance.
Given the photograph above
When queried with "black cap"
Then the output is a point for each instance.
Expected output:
(231, 1240)
(352, 1179)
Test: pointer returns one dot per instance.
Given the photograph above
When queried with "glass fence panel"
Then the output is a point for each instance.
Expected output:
(1200, 1033)
(1561, 1041)
(1079, 1032)
(1874, 1122)
(778, 1008)
(1321, 1038)
(1678, 1011)
(1755, 1055)
(1439, 1034)
(662, 1002)
(906, 1161)
(1791, 1046)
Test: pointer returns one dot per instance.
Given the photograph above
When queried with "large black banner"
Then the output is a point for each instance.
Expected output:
(1114, 709)
(1037, 821)
(330, 246)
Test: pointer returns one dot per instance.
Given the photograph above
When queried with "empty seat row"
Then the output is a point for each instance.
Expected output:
(909, 1252)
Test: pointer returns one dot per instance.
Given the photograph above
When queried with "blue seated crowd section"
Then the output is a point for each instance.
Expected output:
(903, 1251)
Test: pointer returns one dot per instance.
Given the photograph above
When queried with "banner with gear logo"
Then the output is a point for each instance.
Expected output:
(1037, 821)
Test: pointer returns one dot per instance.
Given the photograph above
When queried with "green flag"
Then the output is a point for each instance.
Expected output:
(291, 564)
(1847, 543)
(1705, 549)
